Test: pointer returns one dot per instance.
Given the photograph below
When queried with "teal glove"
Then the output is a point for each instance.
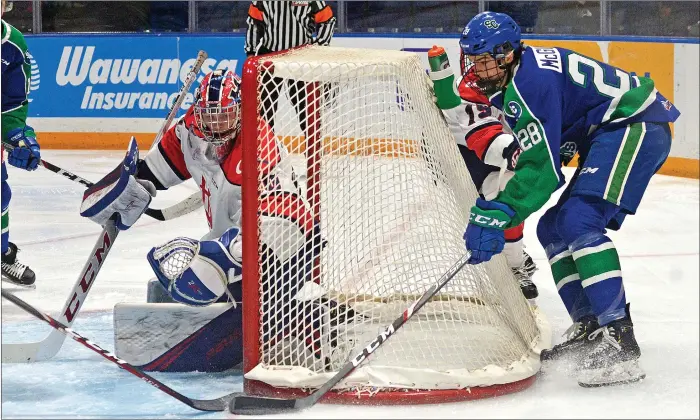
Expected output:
(484, 236)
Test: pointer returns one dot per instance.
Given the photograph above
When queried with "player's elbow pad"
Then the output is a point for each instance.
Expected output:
(503, 147)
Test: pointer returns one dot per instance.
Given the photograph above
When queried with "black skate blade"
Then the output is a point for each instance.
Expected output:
(19, 285)
(626, 381)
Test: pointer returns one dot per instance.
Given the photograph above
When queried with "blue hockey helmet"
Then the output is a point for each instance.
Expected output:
(490, 34)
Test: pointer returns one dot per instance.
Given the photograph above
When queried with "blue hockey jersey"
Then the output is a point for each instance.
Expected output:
(555, 102)
(15, 79)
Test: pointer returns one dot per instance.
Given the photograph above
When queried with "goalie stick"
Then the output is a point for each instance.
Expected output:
(193, 202)
(176, 210)
(191, 77)
(189, 204)
(48, 347)
(216, 404)
(247, 404)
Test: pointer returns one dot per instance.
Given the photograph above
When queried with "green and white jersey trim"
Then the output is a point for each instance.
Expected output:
(600, 277)
(535, 179)
(6, 220)
(568, 279)
(16, 117)
(626, 155)
(592, 250)
(7, 29)
(539, 123)
(632, 102)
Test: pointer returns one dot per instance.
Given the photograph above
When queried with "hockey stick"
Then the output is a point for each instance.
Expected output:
(246, 404)
(193, 202)
(217, 404)
(176, 210)
(48, 347)
(188, 205)
(191, 77)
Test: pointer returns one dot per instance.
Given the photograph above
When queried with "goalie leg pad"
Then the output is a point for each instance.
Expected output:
(171, 337)
(198, 273)
(119, 193)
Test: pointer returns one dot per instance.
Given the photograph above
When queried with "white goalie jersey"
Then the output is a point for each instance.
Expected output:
(181, 155)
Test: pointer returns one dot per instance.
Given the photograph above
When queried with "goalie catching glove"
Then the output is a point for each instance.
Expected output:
(484, 236)
(119, 193)
(198, 273)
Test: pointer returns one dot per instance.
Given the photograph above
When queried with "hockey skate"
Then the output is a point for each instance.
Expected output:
(322, 328)
(338, 318)
(14, 271)
(577, 344)
(615, 360)
(524, 276)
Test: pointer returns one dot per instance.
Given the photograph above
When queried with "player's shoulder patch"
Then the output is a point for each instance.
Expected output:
(547, 58)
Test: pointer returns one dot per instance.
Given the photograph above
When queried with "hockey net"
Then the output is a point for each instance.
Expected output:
(382, 175)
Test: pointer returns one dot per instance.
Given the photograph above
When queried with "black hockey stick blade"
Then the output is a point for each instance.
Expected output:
(248, 404)
(216, 404)
(156, 214)
(251, 405)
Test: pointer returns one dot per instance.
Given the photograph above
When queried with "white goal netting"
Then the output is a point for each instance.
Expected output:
(382, 176)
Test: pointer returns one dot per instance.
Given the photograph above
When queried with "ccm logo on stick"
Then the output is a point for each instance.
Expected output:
(89, 275)
(373, 345)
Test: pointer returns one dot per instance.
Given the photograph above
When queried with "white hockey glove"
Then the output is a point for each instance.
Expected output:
(119, 193)
(198, 273)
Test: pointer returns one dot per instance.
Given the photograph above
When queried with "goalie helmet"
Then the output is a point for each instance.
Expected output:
(217, 110)
(490, 44)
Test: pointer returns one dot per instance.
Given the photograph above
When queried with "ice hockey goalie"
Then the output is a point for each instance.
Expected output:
(192, 320)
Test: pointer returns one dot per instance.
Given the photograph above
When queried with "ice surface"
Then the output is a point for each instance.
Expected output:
(658, 249)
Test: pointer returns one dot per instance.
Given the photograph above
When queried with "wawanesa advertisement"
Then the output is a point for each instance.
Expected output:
(93, 91)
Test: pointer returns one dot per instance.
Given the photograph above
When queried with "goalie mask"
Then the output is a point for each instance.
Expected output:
(217, 110)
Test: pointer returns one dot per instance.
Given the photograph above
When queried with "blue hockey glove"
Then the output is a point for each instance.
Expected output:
(484, 235)
(26, 153)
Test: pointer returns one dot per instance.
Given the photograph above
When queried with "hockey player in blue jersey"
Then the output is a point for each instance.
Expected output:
(560, 103)
(15, 131)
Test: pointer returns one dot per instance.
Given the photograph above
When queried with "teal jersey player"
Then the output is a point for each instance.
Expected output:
(560, 103)
(16, 133)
